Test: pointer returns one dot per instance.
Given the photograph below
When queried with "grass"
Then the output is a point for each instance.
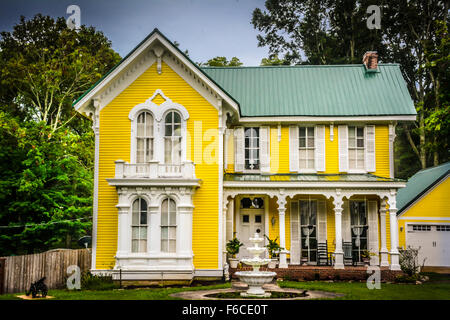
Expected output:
(438, 288)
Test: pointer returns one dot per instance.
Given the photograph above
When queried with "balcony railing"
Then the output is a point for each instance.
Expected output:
(155, 170)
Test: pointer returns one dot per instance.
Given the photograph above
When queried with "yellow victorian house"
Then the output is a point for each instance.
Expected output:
(187, 157)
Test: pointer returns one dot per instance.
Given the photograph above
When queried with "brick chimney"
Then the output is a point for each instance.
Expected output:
(370, 60)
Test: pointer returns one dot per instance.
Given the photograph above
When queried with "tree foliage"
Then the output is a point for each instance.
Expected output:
(413, 33)
(46, 148)
(222, 62)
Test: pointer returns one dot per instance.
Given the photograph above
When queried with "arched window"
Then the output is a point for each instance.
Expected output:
(172, 138)
(139, 226)
(144, 138)
(168, 226)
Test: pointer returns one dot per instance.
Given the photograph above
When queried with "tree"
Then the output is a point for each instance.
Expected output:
(46, 148)
(44, 182)
(222, 62)
(412, 33)
(273, 60)
(45, 66)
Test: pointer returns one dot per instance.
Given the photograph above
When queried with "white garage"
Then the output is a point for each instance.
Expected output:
(434, 243)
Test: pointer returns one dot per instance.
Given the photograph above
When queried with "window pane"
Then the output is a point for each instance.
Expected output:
(302, 143)
(168, 132)
(258, 218)
(360, 143)
(177, 131)
(140, 129)
(245, 218)
(164, 246)
(172, 246)
(177, 118)
(140, 151)
(135, 219)
(172, 233)
(135, 233)
(313, 215)
(173, 218)
(164, 213)
(169, 118)
(135, 246)
(143, 233)
(164, 233)
(142, 245)
(352, 154)
(168, 150)
(302, 132)
(149, 149)
(351, 132)
(310, 132)
(149, 125)
(360, 132)
(303, 212)
(310, 164)
(144, 218)
(176, 151)
(310, 142)
(351, 143)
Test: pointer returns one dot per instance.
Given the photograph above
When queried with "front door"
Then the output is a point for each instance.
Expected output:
(308, 231)
(359, 226)
(251, 221)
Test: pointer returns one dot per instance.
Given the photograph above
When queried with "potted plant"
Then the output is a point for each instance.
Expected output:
(233, 249)
(274, 250)
(365, 256)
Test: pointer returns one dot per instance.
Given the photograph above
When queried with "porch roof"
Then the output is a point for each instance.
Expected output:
(310, 177)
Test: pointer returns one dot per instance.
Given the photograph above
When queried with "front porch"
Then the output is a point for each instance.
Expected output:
(323, 222)
(324, 273)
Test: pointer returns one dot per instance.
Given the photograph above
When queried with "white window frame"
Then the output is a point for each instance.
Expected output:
(145, 137)
(172, 137)
(169, 226)
(313, 169)
(251, 147)
(139, 225)
(159, 113)
(356, 148)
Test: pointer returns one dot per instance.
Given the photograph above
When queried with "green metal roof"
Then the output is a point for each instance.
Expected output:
(332, 90)
(419, 184)
(296, 177)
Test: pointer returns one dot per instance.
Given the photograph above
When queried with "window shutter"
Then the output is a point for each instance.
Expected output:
(370, 148)
(295, 233)
(322, 220)
(239, 160)
(293, 148)
(346, 228)
(320, 148)
(264, 133)
(229, 221)
(343, 148)
(372, 212)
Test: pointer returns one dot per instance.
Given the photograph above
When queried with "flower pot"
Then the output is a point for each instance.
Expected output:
(233, 263)
(272, 264)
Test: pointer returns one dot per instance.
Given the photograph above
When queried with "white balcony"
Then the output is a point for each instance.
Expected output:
(155, 170)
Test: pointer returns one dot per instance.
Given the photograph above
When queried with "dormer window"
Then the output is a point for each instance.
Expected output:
(144, 137)
(172, 138)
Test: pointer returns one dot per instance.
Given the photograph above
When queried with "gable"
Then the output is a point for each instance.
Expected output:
(154, 50)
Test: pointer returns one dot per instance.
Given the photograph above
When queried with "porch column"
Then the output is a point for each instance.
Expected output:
(383, 251)
(395, 265)
(281, 211)
(338, 253)
(224, 230)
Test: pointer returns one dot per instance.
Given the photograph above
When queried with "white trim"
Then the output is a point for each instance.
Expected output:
(306, 184)
(425, 218)
(156, 37)
(208, 273)
(220, 195)
(335, 119)
(96, 127)
(423, 195)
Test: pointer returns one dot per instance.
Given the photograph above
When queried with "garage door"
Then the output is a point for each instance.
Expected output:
(434, 243)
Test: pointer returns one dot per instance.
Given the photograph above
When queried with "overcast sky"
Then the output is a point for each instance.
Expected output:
(207, 28)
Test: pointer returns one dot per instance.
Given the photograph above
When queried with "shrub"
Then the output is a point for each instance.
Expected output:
(409, 261)
(90, 281)
(233, 247)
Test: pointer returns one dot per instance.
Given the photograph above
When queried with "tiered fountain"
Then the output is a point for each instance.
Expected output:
(255, 278)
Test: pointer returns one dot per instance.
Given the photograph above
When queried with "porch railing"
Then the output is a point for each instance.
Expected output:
(155, 170)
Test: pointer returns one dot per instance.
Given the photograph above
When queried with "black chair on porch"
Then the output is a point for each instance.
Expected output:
(348, 254)
(322, 254)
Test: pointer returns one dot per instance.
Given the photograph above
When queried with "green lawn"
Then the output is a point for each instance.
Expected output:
(437, 288)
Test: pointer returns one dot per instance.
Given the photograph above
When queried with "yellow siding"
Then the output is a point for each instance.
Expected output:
(434, 204)
(331, 231)
(279, 151)
(115, 144)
